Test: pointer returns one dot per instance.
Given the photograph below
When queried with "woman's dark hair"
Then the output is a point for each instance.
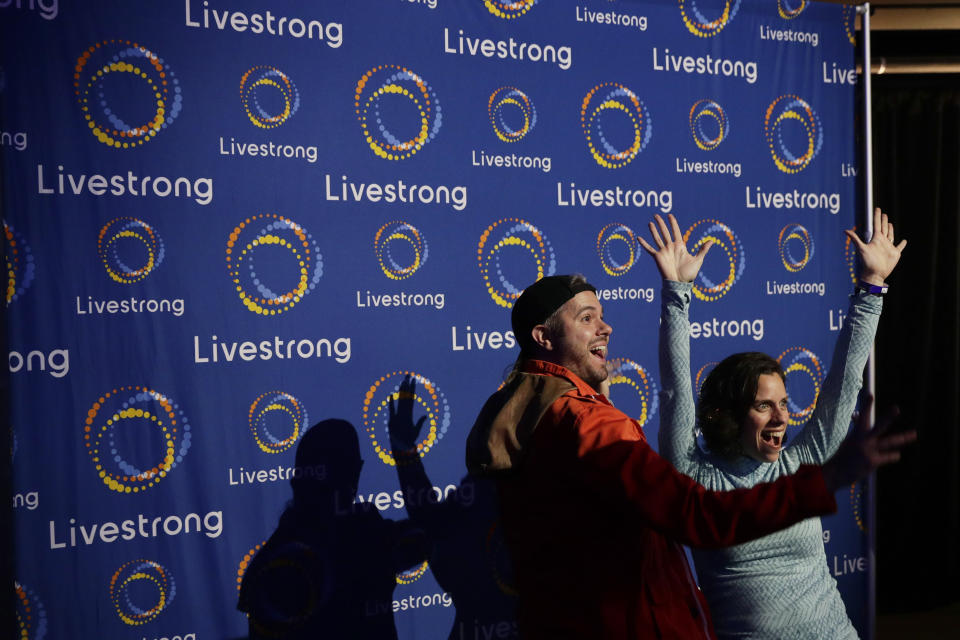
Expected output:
(726, 397)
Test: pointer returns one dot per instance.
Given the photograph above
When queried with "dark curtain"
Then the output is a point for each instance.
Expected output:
(916, 138)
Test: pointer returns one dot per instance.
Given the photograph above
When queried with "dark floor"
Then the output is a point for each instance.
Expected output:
(938, 623)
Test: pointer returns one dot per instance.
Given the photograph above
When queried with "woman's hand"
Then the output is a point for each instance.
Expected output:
(671, 255)
(879, 256)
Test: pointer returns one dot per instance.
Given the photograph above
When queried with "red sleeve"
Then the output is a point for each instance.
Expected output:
(615, 459)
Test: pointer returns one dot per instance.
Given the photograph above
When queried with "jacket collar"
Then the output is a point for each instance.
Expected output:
(543, 367)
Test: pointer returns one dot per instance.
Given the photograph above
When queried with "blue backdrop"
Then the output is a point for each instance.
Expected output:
(227, 220)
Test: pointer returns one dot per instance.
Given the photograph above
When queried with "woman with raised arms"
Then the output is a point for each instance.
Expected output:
(778, 586)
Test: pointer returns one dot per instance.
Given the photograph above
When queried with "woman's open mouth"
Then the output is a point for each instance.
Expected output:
(774, 437)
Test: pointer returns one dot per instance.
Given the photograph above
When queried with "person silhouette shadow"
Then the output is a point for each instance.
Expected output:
(329, 569)
(468, 556)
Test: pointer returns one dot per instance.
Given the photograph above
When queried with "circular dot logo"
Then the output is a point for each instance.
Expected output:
(129, 240)
(507, 9)
(117, 79)
(245, 563)
(850, 254)
(400, 249)
(398, 97)
(376, 415)
(286, 588)
(20, 266)
(512, 113)
(31, 615)
(701, 376)
(412, 575)
(498, 559)
(850, 23)
(724, 239)
(857, 505)
(140, 590)
(268, 96)
(617, 247)
(804, 374)
(784, 119)
(502, 265)
(276, 420)
(135, 437)
(611, 113)
(790, 9)
(795, 246)
(625, 371)
(708, 124)
(266, 233)
(703, 26)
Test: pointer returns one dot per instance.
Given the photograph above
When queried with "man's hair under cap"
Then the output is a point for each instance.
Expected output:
(539, 301)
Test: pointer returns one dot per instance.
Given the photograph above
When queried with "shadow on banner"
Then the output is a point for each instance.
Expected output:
(468, 555)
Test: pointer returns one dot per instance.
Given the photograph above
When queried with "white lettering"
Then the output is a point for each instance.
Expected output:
(512, 161)
(646, 295)
(612, 18)
(705, 65)
(836, 324)
(686, 166)
(792, 200)
(57, 361)
(837, 75)
(268, 150)
(402, 299)
(331, 33)
(107, 532)
(788, 35)
(775, 288)
(218, 351)
(395, 192)
(200, 189)
(48, 9)
(515, 50)
(715, 328)
(471, 340)
(616, 197)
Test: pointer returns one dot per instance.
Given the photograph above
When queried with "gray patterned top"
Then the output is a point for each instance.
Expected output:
(778, 586)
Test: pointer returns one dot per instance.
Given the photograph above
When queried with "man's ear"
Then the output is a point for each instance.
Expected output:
(541, 335)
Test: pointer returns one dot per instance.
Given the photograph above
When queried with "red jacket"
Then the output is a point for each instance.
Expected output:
(594, 518)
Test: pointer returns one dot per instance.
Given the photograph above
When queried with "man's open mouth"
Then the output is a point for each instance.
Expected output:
(600, 351)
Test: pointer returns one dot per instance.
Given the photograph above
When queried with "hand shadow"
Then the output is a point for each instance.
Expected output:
(468, 555)
(329, 569)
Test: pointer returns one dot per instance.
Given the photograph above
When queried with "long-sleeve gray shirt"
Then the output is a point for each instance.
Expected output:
(778, 586)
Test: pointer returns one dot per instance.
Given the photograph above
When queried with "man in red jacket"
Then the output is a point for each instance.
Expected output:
(593, 517)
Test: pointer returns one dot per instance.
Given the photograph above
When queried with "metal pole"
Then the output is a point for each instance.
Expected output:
(869, 383)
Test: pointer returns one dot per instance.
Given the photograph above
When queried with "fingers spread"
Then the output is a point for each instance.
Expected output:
(656, 234)
(884, 421)
(854, 238)
(646, 245)
(677, 234)
(705, 247)
(663, 227)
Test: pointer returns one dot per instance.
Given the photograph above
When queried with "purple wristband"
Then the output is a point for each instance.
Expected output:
(875, 289)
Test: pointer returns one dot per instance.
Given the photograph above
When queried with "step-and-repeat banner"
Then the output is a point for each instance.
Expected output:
(228, 220)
